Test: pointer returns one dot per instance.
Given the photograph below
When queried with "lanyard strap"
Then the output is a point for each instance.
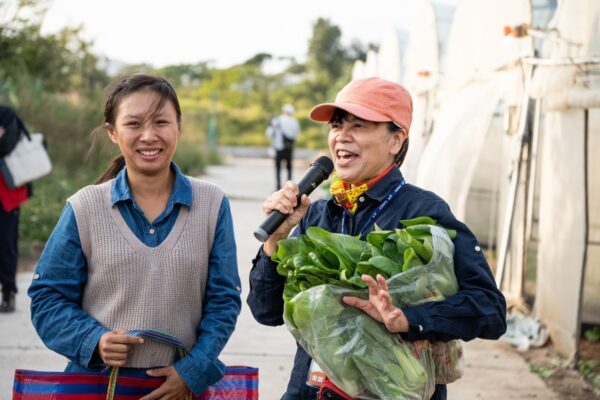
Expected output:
(376, 212)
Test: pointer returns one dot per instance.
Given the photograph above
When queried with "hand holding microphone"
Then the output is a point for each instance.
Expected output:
(290, 207)
(319, 170)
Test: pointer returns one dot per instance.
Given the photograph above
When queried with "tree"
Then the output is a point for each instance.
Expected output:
(60, 62)
(358, 50)
(258, 59)
(329, 63)
(326, 55)
(182, 75)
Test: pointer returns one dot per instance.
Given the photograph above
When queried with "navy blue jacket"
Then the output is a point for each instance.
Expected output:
(477, 310)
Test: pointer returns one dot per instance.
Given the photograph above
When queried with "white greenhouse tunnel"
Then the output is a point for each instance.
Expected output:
(466, 141)
(569, 189)
(421, 77)
(478, 83)
(389, 56)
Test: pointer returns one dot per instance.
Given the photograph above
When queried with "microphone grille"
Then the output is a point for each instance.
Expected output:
(325, 163)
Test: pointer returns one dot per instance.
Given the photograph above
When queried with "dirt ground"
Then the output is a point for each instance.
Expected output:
(568, 383)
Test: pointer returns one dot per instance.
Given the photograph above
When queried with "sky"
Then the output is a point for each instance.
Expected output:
(227, 32)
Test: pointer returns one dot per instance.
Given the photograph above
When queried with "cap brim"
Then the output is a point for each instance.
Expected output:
(324, 112)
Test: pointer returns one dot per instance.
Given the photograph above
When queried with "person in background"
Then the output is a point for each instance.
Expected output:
(368, 140)
(283, 131)
(10, 201)
(144, 248)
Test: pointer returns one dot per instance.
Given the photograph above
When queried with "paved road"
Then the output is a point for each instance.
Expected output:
(493, 371)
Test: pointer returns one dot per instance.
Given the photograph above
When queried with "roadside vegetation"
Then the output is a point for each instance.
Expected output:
(56, 83)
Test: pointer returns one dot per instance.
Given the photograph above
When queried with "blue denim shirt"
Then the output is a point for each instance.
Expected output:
(477, 310)
(61, 274)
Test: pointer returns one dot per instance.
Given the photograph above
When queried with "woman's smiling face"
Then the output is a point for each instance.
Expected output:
(146, 134)
(361, 149)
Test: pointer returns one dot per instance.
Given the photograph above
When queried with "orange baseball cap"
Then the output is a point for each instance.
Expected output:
(371, 99)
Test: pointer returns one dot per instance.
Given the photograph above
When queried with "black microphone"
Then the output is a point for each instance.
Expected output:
(319, 170)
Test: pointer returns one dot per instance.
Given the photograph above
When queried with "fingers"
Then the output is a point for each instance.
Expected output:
(298, 213)
(364, 305)
(115, 360)
(355, 302)
(303, 206)
(284, 200)
(173, 388)
(270, 245)
(126, 340)
(395, 321)
(158, 372)
(382, 282)
(120, 336)
(380, 306)
(373, 286)
(162, 389)
(114, 347)
(115, 351)
(378, 293)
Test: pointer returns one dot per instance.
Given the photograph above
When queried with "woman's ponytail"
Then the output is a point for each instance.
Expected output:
(116, 165)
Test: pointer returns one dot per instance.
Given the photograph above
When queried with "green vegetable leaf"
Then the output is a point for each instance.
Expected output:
(417, 246)
(387, 265)
(377, 237)
(418, 221)
(410, 259)
(349, 248)
(285, 249)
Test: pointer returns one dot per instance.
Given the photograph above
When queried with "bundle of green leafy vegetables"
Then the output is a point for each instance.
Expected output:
(321, 257)
(357, 353)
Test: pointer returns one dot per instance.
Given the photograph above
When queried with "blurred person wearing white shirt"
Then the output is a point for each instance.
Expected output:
(283, 131)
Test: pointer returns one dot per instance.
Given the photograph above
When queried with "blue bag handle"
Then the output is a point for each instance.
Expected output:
(153, 334)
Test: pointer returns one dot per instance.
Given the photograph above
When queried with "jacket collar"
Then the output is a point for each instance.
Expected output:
(382, 188)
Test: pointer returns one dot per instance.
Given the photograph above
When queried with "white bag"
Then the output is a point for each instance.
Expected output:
(27, 162)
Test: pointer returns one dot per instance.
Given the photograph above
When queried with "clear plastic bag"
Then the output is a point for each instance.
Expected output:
(448, 361)
(359, 354)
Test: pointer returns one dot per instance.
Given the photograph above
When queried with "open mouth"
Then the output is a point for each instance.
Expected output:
(149, 153)
(343, 156)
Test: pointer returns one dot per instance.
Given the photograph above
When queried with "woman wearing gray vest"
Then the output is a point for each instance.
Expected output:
(144, 248)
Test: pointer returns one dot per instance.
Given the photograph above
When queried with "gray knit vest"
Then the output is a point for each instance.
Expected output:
(133, 286)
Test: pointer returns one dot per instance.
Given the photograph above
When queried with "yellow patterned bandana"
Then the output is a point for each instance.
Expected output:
(346, 195)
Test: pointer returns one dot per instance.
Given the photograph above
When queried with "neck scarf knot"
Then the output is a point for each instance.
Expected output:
(347, 196)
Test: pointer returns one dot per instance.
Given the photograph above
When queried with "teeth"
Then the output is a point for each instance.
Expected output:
(149, 152)
(343, 153)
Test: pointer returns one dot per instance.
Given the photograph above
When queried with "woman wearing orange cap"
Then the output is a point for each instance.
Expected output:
(368, 140)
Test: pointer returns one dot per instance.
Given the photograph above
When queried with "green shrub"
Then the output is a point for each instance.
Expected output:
(41, 212)
(593, 335)
(191, 158)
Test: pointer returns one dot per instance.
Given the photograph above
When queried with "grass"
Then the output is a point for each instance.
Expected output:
(590, 370)
(543, 372)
